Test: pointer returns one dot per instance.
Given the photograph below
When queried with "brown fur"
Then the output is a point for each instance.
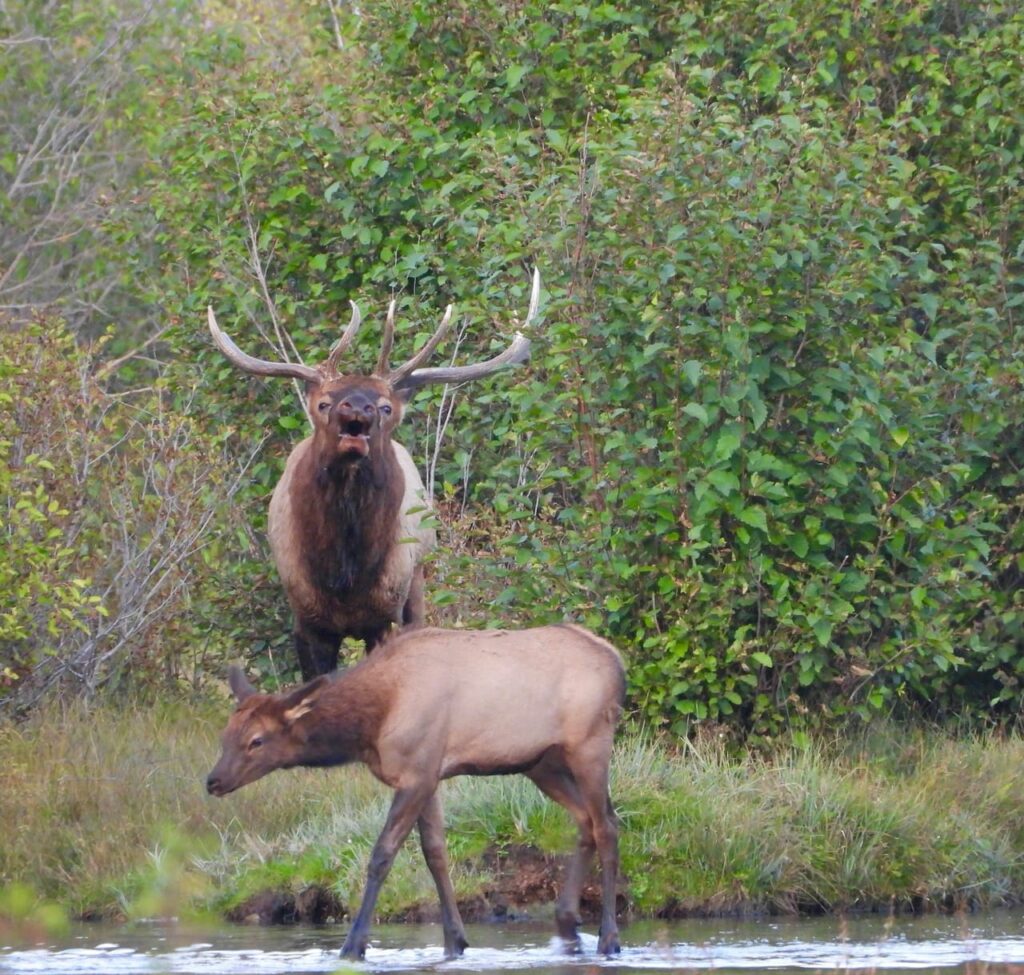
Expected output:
(347, 531)
(432, 704)
(346, 519)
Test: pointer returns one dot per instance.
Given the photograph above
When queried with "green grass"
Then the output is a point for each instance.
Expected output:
(107, 815)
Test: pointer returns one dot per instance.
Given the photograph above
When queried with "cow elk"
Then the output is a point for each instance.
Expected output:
(431, 704)
(349, 519)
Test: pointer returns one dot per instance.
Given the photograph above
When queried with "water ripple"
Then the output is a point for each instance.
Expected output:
(896, 953)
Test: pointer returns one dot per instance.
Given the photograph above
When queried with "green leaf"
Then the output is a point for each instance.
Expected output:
(755, 517)
(697, 412)
(930, 303)
(766, 77)
(799, 544)
(758, 411)
(727, 443)
(514, 75)
(726, 482)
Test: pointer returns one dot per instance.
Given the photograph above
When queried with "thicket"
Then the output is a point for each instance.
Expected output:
(769, 441)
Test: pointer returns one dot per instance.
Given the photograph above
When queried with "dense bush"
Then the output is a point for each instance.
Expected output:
(769, 440)
(110, 519)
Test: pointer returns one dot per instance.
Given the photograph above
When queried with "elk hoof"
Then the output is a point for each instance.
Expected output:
(573, 946)
(608, 944)
(568, 928)
(454, 947)
(354, 948)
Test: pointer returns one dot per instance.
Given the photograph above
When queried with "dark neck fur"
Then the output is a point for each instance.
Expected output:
(351, 527)
(344, 725)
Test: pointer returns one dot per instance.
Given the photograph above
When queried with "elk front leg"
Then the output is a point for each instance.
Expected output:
(415, 608)
(431, 826)
(406, 808)
(316, 649)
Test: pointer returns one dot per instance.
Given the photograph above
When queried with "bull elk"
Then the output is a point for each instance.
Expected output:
(432, 704)
(348, 522)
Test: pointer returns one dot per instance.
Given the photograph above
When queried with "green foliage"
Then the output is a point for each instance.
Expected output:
(769, 439)
(73, 102)
(41, 599)
(107, 524)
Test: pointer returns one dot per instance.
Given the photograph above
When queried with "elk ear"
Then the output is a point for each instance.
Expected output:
(303, 700)
(239, 683)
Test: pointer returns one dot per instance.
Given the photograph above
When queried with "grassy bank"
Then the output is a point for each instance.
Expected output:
(105, 815)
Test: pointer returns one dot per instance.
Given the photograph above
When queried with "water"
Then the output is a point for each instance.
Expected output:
(989, 944)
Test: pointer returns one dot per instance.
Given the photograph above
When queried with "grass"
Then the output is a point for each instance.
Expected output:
(107, 816)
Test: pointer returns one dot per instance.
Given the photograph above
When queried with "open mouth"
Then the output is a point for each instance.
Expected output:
(354, 438)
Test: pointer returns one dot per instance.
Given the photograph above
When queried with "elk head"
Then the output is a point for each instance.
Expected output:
(260, 736)
(352, 414)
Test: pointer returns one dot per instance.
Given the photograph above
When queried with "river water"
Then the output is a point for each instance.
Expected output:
(991, 943)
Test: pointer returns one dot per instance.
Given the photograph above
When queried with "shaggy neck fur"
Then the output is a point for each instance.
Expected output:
(350, 531)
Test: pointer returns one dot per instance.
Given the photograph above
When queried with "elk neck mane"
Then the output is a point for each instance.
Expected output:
(350, 533)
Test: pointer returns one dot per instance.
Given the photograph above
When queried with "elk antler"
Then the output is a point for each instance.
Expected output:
(330, 365)
(293, 370)
(395, 376)
(407, 376)
(410, 376)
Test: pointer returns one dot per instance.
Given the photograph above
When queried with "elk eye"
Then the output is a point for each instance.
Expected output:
(323, 405)
(256, 742)
(385, 408)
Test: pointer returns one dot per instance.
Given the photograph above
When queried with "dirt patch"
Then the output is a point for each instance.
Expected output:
(312, 905)
(524, 883)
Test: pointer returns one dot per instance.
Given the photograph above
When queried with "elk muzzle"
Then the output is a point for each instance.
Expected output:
(354, 420)
(221, 781)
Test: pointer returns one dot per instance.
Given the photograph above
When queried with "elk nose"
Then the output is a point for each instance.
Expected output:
(357, 407)
(354, 409)
(212, 784)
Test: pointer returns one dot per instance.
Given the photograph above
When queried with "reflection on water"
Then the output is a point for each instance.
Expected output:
(987, 944)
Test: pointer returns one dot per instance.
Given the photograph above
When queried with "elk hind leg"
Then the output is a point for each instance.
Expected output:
(559, 784)
(591, 775)
(431, 827)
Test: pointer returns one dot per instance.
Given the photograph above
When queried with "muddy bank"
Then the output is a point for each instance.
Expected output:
(524, 884)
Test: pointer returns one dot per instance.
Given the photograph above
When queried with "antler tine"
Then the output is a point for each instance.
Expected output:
(387, 341)
(398, 377)
(258, 367)
(517, 351)
(330, 365)
(534, 298)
